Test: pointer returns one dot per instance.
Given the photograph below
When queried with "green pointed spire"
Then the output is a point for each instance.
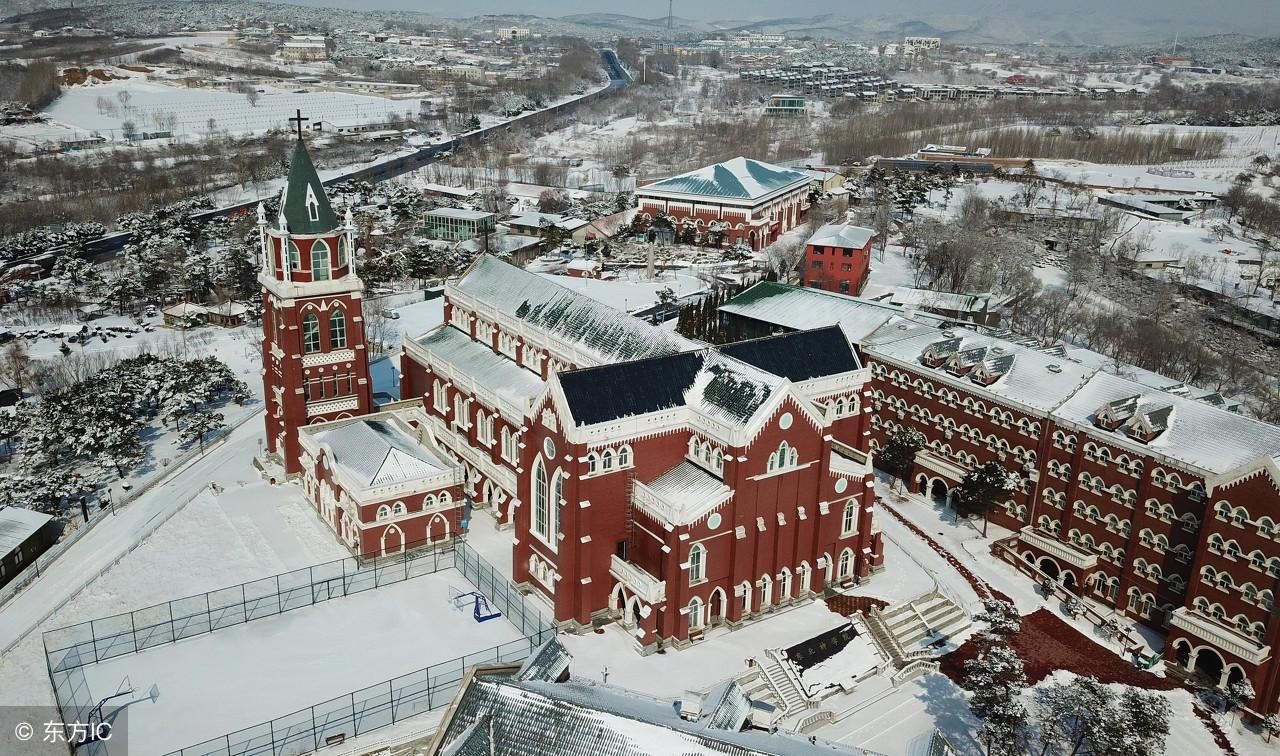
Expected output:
(306, 206)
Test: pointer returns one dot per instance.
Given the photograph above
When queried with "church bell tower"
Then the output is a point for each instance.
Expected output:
(315, 363)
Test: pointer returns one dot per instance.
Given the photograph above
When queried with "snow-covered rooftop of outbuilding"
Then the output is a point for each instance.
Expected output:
(377, 452)
(801, 309)
(904, 296)
(580, 718)
(1035, 379)
(841, 235)
(738, 178)
(489, 369)
(604, 333)
(17, 525)
(1199, 435)
(536, 220)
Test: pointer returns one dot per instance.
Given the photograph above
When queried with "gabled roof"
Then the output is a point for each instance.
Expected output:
(604, 333)
(1196, 434)
(494, 371)
(719, 386)
(842, 235)
(799, 356)
(379, 452)
(797, 308)
(547, 663)
(691, 491)
(303, 188)
(739, 178)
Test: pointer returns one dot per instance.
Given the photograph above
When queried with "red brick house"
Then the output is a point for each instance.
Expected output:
(838, 258)
(745, 200)
(381, 484)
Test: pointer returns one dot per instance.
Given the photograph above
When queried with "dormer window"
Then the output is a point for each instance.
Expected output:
(313, 205)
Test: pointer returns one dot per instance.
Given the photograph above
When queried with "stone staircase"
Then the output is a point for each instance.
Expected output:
(772, 681)
(907, 631)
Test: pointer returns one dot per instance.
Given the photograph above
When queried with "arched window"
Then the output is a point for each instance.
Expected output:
(337, 329)
(845, 568)
(695, 613)
(311, 334)
(606, 459)
(697, 564)
(593, 463)
(384, 512)
(320, 261)
(850, 518)
(541, 515)
(624, 456)
(295, 259)
(398, 508)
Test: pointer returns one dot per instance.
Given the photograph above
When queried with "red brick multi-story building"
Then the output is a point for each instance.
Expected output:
(315, 366)
(646, 477)
(742, 199)
(838, 258)
(1139, 491)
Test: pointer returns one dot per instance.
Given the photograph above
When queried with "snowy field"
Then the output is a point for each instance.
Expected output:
(221, 682)
(150, 102)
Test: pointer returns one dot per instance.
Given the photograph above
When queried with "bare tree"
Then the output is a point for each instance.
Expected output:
(16, 365)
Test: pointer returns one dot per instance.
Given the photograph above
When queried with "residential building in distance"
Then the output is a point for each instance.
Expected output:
(786, 105)
(747, 200)
(455, 224)
(838, 258)
(303, 48)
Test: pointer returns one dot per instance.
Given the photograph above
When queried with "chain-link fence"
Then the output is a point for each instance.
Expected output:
(68, 649)
(109, 637)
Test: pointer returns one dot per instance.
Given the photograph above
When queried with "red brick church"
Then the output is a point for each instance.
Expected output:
(645, 478)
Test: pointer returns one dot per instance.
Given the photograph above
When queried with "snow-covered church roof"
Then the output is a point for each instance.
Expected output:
(377, 450)
(304, 206)
(740, 178)
(604, 333)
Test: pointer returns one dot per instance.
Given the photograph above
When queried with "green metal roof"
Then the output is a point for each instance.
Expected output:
(739, 178)
(302, 190)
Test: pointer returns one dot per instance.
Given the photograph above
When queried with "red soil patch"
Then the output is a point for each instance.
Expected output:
(1046, 643)
(73, 76)
(1211, 724)
(847, 605)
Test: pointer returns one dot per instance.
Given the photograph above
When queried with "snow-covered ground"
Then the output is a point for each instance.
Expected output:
(150, 103)
(237, 677)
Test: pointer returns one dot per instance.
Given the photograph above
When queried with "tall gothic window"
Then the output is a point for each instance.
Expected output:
(849, 520)
(320, 261)
(697, 564)
(295, 261)
(310, 334)
(542, 504)
(344, 250)
(337, 330)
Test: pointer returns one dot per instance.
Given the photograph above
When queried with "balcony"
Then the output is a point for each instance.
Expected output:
(1058, 549)
(1218, 635)
(345, 404)
(650, 589)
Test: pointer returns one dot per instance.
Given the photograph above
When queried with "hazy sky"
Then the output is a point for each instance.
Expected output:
(1265, 14)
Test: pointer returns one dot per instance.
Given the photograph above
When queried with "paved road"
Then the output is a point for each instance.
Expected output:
(116, 536)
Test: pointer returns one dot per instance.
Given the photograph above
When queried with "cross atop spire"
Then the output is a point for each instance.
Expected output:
(299, 119)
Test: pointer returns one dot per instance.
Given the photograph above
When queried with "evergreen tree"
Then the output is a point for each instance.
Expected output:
(982, 489)
(899, 452)
(997, 679)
